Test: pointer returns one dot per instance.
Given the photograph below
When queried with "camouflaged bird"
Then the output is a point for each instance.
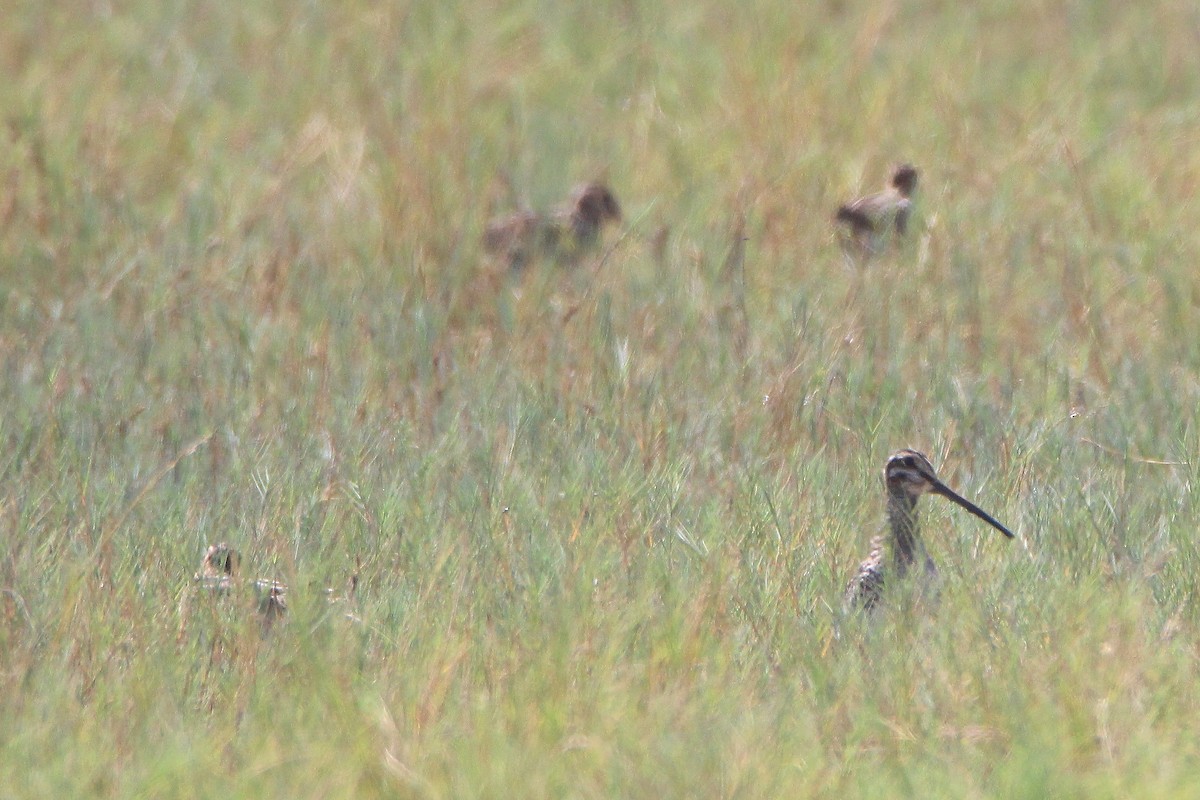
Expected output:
(907, 475)
(564, 235)
(871, 219)
(219, 573)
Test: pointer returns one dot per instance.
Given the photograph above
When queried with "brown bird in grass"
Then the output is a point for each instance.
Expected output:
(219, 572)
(564, 235)
(870, 218)
(907, 476)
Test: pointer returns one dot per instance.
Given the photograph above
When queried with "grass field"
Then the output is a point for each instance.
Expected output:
(601, 518)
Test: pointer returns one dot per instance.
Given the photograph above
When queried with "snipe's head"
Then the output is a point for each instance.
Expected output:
(220, 561)
(595, 203)
(910, 473)
(904, 179)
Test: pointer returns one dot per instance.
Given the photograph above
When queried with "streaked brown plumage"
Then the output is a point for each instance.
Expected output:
(218, 566)
(907, 475)
(563, 235)
(219, 572)
(871, 218)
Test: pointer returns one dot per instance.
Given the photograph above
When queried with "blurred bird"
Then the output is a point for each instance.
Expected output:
(219, 574)
(219, 571)
(870, 218)
(564, 235)
(907, 476)
(217, 568)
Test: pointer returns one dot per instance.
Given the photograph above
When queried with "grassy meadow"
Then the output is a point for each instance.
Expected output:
(601, 518)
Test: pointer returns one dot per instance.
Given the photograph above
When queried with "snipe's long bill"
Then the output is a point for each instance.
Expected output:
(945, 491)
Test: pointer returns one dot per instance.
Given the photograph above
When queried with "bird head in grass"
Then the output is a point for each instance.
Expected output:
(909, 472)
(594, 203)
(904, 180)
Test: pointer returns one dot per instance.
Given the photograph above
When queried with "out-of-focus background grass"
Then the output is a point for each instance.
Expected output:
(601, 518)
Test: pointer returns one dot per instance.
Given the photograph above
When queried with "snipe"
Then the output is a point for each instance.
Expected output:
(563, 235)
(219, 572)
(870, 219)
(907, 476)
